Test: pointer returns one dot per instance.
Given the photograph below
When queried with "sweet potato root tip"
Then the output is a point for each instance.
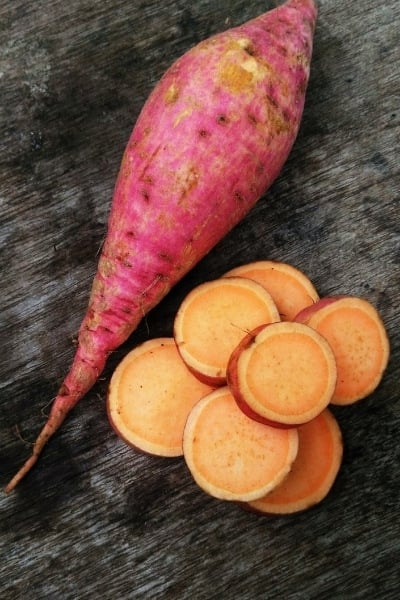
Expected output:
(290, 288)
(53, 423)
(286, 373)
(232, 457)
(313, 472)
(214, 317)
(359, 341)
(150, 396)
(175, 199)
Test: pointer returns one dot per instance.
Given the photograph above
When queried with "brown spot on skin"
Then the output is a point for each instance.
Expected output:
(278, 119)
(250, 50)
(165, 256)
(203, 133)
(63, 391)
(126, 263)
(145, 195)
(106, 329)
(252, 119)
(222, 120)
(239, 196)
(272, 101)
(286, 114)
(235, 77)
(172, 94)
(188, 181)
(282, 50)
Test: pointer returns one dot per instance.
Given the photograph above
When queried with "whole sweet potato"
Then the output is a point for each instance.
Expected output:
(210, 140)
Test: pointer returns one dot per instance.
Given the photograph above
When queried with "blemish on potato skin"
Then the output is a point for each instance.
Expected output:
(64, 390)
(187, 182)
(222, 120)
(106, 266)
(282, 50)
(239, 196)
(166, 257)
(145, 195)
(253, 120)
(235, 77)
(172, 94)
(105, 329)
(250, 50)
(148, 179)
(126, 309)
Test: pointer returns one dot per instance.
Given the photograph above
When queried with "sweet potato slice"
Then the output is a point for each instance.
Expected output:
(150, 396)
(283, 373)
(314, 469)
(358, 338)
(232, 457)
(214, 317)
(290, 288)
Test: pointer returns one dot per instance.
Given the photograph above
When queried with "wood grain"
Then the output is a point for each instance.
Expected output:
(95, 519)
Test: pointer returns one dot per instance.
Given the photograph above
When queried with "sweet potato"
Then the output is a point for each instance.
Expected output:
(232, 457)
(313, 471)
(358, 338)
(212, 320)
(211, 138)
(150, 396)
(290, 288)
(283, 374)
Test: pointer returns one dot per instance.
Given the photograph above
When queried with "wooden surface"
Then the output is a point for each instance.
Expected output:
(95, 519)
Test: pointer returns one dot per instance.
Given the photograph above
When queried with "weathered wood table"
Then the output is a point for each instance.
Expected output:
(95, 519)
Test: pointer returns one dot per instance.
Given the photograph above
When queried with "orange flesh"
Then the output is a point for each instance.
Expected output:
(288, 374)
(359, 343)
(231, 456)
(290, 289)
(314, 470)
(151, 395)
(213, 320)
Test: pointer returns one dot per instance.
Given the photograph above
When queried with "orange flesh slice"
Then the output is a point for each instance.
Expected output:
(313, 472)
(151, 394)
(288, 374)
(359, 342)
(290, 289)
(214, 317)
(231, 456)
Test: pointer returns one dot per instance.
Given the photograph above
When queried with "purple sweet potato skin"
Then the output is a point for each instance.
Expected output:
(211, 138)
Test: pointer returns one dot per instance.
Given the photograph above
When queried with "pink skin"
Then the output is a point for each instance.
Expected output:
(305, 315)
(205, 147)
